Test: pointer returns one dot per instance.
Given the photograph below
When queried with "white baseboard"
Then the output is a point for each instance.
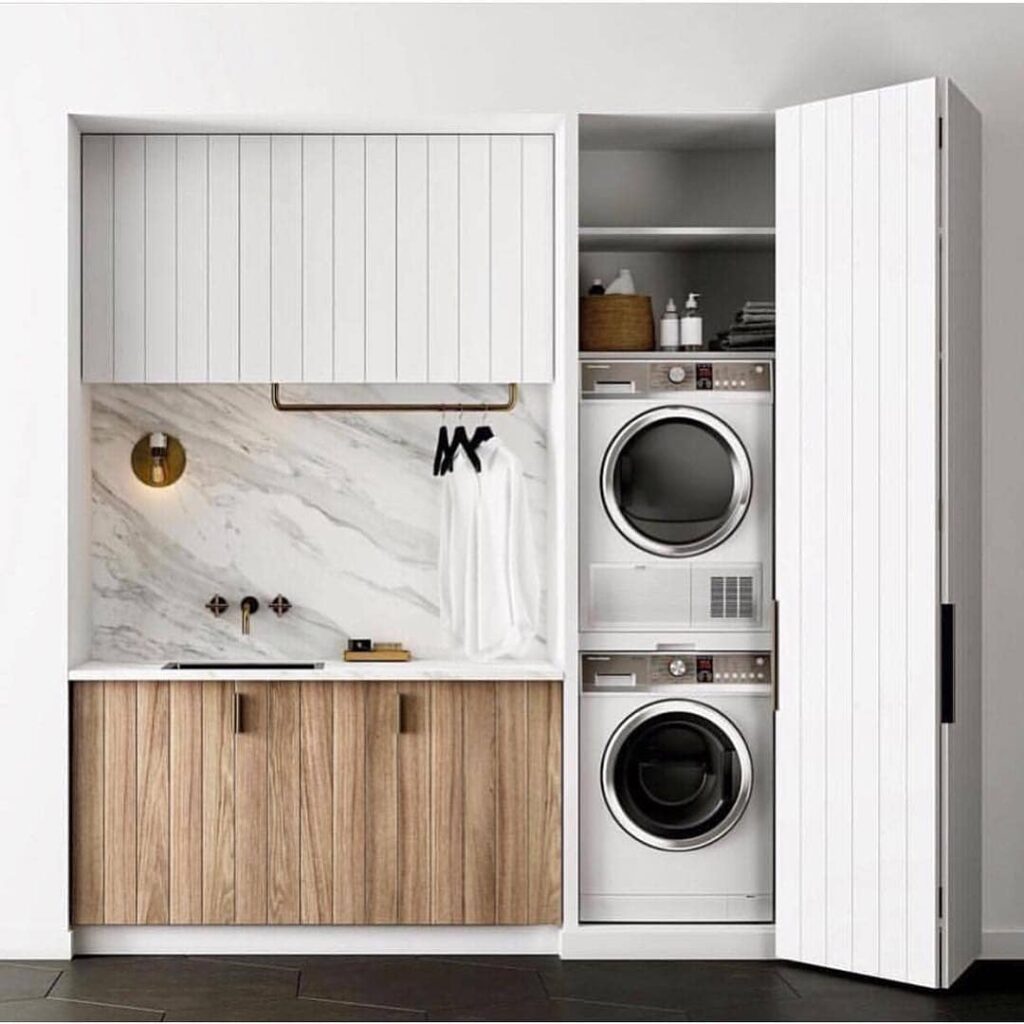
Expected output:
(620, 942)
(582, 942)
(1006, 945)
(669, 942)
(307, 939)
(34, 943)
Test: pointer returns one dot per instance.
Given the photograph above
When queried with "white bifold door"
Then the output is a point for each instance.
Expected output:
(878, 533)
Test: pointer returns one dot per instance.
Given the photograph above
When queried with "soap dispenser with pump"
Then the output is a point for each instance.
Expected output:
(691, 327)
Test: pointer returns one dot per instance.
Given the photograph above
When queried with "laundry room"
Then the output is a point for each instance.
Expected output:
(502, 511)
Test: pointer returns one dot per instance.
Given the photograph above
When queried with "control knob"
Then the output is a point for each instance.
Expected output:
(677, 667)
(676, 374)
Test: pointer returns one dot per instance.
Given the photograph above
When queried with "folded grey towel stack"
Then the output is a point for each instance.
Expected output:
(753, 328)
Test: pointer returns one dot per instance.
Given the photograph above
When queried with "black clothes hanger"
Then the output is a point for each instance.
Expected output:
(441, 449)
(447, 447)
(470, 445)
(460, 439)
(481, 434)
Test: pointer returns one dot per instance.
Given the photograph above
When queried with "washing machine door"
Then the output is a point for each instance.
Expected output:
(676, 481)
(677, 775)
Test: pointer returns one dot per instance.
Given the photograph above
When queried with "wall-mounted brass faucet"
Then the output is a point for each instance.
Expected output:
(250, 606)
(217, 606)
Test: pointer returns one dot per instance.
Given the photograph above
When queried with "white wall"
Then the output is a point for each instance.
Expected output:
(332, 64)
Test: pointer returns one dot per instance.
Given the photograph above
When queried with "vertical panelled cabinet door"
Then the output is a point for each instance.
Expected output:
(153, 802)
(316, 802)
(318, 258)
(863, 553)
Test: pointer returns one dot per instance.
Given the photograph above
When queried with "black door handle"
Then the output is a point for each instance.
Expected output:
(947, 666)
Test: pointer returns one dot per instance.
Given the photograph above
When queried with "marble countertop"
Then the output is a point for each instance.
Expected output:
(497, 671)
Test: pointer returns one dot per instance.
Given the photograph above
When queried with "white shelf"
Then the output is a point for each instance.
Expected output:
(664, 239)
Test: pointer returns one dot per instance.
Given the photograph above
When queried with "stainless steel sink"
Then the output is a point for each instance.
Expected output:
(183, 666)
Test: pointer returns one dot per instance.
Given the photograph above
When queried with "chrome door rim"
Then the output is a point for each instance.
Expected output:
(741, 474)
(628, 726)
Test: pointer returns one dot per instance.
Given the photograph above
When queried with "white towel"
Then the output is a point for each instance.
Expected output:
(487, 565)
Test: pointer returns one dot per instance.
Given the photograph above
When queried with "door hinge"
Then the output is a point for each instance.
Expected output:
(940, 133)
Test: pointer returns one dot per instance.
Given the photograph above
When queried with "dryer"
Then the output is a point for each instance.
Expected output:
(676, 501)
(676, 791)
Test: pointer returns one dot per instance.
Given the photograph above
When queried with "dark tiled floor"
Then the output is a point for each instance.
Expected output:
(295, 988)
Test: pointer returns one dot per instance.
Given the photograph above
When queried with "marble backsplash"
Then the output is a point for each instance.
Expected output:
(338, 513)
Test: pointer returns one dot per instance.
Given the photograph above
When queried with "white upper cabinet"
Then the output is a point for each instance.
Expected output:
(317, 258)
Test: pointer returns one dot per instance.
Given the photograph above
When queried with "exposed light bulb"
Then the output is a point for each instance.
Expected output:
(158, 459)
(158, 453)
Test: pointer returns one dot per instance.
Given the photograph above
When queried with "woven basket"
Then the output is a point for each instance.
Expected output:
(616, 323)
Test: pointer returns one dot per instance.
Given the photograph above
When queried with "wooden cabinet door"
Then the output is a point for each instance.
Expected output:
(185, 803)
(152, 803)
(217, 803)
(463, 811)
(416, 802)
(495, 819)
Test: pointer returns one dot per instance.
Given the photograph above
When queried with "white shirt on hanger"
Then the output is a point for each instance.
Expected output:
(487, 564)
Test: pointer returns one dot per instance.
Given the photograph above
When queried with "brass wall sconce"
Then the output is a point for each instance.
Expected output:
(158, 459)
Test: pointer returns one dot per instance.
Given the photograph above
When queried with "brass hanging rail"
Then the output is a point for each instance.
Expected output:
(507, 406)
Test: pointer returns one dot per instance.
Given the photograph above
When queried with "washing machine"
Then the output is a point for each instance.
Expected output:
(676, 787)
(676, 501)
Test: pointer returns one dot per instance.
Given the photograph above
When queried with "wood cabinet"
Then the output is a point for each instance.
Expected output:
(316, 802)
(317, 258)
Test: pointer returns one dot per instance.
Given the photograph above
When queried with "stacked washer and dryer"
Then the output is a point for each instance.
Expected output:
(677, 673)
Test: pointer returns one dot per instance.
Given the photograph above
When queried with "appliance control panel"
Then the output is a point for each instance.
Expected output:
(733, 376)
(675, 668)
(629, 378)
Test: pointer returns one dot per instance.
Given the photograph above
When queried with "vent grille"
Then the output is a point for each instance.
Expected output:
(732, 597)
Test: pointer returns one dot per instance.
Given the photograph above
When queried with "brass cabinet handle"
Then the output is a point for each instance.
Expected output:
(400, 713)
(238, 713)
